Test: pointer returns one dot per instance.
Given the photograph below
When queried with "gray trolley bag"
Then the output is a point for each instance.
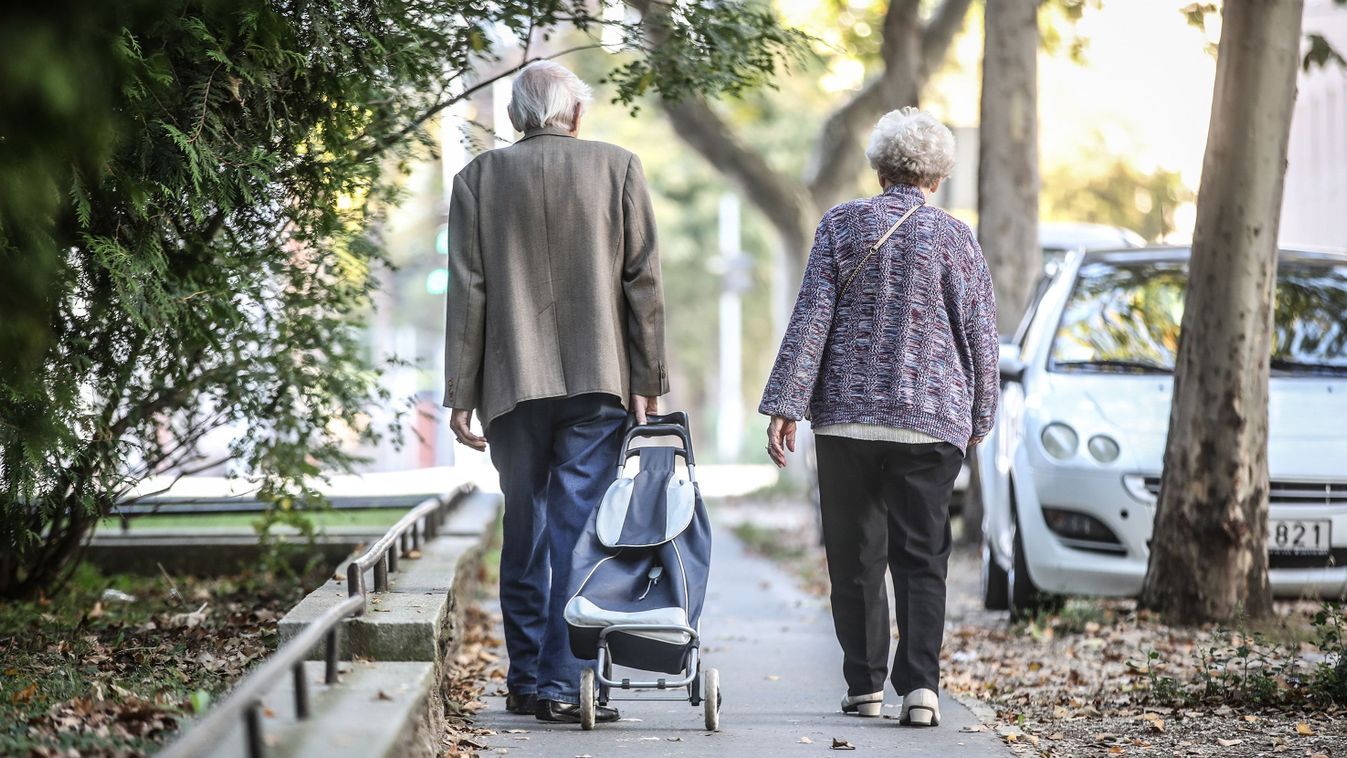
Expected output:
(638, 577)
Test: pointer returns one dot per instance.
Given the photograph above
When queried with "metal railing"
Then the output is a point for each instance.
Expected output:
(127, 512)
(245, 700)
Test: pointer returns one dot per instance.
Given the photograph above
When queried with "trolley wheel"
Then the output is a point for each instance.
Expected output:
(587, 696)
(711, 699)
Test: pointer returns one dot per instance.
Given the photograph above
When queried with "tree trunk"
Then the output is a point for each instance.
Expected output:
(1209, 552)
(30, 574)
(1008, 155)
(911, 49)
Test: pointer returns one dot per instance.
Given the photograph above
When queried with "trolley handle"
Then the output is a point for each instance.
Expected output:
(666, 425)
(658, 430)
(676, 418)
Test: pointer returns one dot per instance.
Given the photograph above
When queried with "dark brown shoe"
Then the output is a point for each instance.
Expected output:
(567, 713)
(523, 705)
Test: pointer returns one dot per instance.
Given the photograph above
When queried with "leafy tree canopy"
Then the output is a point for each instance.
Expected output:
(185, 207)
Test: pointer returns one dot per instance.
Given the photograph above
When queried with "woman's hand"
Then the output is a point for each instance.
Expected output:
(780, 438)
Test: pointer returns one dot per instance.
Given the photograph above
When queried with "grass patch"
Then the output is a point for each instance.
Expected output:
(373, 517)
(88, 673)
(1246, 667)
(1075, 616)
(793, 549)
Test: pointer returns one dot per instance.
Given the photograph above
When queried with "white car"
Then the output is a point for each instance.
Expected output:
(1070, 473)
(1057, 238)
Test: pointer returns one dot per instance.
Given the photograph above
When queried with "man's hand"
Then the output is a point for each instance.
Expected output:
(461, 424)
(780, 438)
(642, 405)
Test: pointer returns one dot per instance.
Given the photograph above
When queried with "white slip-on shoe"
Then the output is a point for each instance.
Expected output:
(920, 708)
(863, 705)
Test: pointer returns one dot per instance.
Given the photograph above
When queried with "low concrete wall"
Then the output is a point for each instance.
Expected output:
(412, 620)
(415, 619)
(389, 700)
(198, 554)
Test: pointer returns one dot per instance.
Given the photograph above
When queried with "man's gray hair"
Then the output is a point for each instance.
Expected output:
(910, 146)
(545, 94)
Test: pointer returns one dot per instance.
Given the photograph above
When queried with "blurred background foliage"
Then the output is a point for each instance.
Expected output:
(1097, 180)
(187, 214)
(217, 193)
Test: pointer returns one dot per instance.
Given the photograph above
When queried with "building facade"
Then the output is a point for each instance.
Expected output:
(1314, 204)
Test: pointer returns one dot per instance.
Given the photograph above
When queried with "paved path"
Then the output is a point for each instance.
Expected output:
(781, 677)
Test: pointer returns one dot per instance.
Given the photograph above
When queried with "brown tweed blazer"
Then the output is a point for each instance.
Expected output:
(554, 277)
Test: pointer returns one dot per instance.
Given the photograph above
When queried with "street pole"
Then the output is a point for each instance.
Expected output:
(781, 292)
(453, 157)
(501, 90)
(730, 419)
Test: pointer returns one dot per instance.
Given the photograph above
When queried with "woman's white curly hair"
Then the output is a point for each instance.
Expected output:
(910, 146)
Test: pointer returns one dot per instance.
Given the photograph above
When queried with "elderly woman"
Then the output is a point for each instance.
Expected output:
(892, 353)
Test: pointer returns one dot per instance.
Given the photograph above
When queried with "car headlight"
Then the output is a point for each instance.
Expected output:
(1060, 440)
(1103, 448)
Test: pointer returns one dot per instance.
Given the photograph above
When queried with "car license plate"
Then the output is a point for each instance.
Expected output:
(1299, 536)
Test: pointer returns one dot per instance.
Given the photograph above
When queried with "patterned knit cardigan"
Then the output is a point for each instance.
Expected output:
(913, 343)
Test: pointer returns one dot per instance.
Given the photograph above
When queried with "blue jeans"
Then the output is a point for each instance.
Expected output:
(556, 458)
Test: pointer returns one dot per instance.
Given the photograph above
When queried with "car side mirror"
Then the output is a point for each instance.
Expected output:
(1010, 364)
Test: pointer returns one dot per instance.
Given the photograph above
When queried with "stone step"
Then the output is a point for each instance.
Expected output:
(416, 618)
(372, 711)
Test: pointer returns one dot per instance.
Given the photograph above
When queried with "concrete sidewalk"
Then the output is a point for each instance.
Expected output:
(780, 670)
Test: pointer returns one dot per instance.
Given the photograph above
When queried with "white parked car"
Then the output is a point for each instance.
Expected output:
(1057, 239)
(1070, 474)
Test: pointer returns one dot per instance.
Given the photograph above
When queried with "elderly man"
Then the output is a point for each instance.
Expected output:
(555, 320)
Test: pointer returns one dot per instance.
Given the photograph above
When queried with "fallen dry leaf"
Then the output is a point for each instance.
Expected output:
(1304, 729)
(1228, 743)
(24, 695)
(805, 741)
(839, 744)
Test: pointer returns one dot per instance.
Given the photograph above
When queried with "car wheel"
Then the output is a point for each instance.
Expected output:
(995, 581)
(1026, 600)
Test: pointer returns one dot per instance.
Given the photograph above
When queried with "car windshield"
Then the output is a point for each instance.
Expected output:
(1124, 317)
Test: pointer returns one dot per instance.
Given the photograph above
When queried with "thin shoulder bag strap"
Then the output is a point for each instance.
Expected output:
(875, 248)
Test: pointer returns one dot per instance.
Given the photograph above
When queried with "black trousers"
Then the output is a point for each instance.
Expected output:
(887, 503)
